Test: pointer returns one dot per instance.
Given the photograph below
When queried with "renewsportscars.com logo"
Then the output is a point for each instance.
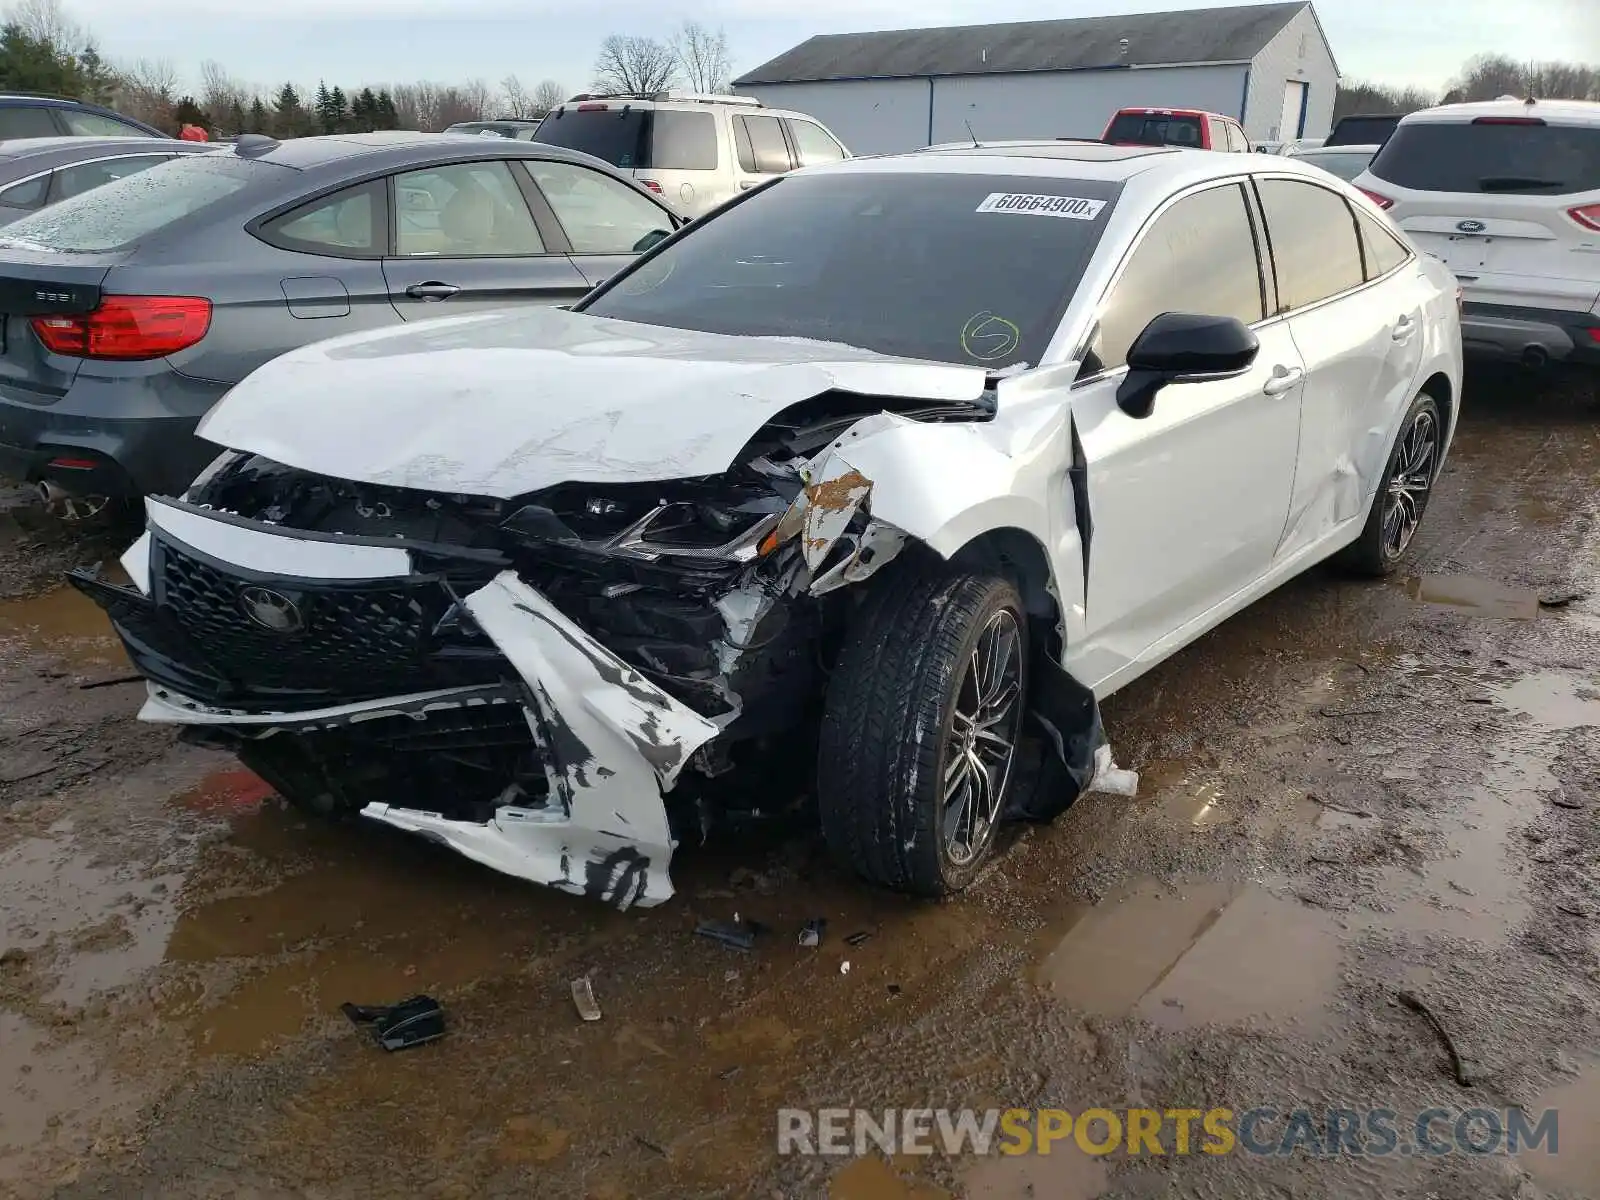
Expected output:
(1263, 1130)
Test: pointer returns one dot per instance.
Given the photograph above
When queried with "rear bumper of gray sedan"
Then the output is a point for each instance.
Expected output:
(112, 437)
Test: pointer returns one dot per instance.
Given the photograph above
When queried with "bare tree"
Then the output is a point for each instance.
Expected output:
(49, 22)
(514, 98)
(702, 57)
(1490, 76)
(477, 100)
(417, 105)
(1377, 98)
(547, 95)
(148, 90)
(220, 93)
(633, 65)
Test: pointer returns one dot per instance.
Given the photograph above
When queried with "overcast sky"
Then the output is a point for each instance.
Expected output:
(360, 41)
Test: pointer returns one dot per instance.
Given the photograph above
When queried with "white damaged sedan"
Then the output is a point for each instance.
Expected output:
(869, 485)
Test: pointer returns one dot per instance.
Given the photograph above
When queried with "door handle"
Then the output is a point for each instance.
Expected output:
(1284, 380)
(1403, 329)
(747, 185)
(432, 291)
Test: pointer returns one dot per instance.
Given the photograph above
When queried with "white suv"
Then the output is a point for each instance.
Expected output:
(1507, 194)
(695, 151)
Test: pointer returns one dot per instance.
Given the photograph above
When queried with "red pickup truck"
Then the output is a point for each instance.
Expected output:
(1189, 127)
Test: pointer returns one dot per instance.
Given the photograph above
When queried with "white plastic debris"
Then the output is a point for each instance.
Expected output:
(583, 999)
(844, 968)
(1110, 778)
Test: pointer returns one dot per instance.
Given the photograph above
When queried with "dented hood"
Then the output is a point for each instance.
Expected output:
(508, 402)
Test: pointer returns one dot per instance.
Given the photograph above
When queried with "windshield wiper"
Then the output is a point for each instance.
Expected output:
(1513, 183)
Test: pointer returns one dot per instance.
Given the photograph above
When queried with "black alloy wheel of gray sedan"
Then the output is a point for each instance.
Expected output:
(38, 172)
(129, 310)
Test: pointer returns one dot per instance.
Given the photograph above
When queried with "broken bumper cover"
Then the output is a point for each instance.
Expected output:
(611, 742)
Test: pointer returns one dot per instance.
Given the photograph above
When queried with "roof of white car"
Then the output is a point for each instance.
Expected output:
(1565, 112)
(1073, 160)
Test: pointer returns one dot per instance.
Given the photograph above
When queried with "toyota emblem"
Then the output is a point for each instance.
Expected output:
(271, 610)
(1471, 226)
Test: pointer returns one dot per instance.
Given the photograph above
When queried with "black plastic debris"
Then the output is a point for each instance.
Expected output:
(401, 1026)
(855, 939)
(741, 935)
(811, 934)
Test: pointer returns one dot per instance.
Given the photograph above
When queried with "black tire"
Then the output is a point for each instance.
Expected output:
(1376, 552)
(886, 739)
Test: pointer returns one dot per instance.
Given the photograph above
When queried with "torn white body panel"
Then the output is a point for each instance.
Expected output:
(268, 552)
(505, 403)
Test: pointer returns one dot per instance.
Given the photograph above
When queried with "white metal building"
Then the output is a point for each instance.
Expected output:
(1269, 65)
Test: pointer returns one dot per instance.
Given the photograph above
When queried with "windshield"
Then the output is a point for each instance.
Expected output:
(125, 210)
(1150, 129)
(1343, 163)
(973, 269)
(1532, 160)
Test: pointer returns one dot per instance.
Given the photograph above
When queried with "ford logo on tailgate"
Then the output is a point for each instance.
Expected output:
(1471, 226)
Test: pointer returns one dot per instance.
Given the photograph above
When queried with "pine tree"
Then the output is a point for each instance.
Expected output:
(290, 118)
(30, 64)
(339, 110)
(388, 118)
(189, 112)
(98, 81)
(256, 120)
(365, 111)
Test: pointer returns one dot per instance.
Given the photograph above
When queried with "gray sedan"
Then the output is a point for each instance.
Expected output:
(36, 172)
(129, 310)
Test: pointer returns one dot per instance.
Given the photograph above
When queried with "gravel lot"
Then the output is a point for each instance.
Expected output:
(1348, 790)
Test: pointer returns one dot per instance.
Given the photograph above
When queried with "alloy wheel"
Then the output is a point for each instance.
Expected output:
(981, 742)
(1409, 483)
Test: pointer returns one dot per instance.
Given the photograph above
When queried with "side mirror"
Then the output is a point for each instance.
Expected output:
(653, 238)
(1184, 348)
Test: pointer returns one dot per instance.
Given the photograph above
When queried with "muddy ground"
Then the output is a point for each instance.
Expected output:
(1349, 790)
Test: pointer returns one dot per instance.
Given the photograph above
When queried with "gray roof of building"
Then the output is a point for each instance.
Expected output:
(1203, 35)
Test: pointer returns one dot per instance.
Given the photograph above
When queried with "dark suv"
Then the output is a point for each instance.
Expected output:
(24, 115)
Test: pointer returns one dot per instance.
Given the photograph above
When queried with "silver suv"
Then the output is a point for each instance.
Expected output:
(695, 151)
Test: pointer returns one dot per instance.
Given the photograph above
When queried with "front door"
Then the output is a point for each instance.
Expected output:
(465, 239)
(1187, 504)
(604, 224)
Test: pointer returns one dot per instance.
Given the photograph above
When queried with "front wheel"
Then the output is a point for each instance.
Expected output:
(1402, 495)
(923, 717)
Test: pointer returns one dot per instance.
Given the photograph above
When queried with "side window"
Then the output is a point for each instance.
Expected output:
(812, 143)
(347, 224)
(1219, 133)
(683, 141)
(1313, 236)
(27, 121)
(1382, 250)
(28, 194)
(88, 124)
(1198, 257)
(1237, 142)
(85, 177)
(600, 215)
(762, 150)
(463, 210)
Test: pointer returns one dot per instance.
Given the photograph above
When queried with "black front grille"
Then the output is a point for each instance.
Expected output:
(349, 641)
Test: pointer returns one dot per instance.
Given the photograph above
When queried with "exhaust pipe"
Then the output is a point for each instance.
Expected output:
(69, 506)
(1535, 357)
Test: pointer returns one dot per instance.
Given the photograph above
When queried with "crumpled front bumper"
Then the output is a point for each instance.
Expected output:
(611, 741)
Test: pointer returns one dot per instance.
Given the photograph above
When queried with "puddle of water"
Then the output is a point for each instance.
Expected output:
(117, 922)
(1554, 700)
(1212, 953)
(874, 1179)
(1576, 1164)
(1066, 1174)
(66, 623)
(1475, 597)
(41, 1087)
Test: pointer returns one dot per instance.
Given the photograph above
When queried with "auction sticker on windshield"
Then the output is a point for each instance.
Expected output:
(1073, 207)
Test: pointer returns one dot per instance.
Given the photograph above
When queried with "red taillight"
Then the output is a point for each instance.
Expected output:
(592, 107)
(1594, 336)
(1509, 121)
(652, 185)
(1380, 201)
(127, 327)
(1588, 216)
(68, 463)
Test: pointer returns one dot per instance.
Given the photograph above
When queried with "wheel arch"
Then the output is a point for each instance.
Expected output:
(1438, 386)
(1021, 557)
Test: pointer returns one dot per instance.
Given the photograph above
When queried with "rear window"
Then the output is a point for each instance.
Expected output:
(1362, 131)
(1530, 160)
(125, 210)
(1152, 129)
(619, 136)
(938, 267)
(1343, 163)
